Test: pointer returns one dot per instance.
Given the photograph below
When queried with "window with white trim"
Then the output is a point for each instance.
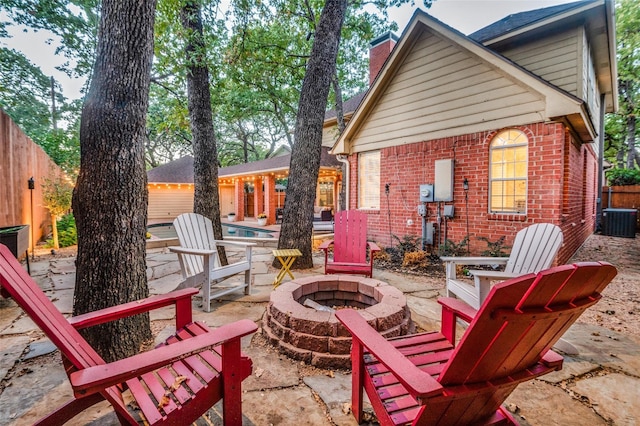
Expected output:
(369, 180)
(508, 160)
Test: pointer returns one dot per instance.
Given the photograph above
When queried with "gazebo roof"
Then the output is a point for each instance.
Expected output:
(181, 170)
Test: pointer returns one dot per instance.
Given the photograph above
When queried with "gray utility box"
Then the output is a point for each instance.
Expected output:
(619, 222)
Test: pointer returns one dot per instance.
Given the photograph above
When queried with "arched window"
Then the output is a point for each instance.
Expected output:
(508, 160)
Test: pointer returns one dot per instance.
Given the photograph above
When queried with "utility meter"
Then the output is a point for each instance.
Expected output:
(426, 193)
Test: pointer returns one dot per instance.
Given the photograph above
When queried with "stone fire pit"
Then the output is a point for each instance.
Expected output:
(317, 337)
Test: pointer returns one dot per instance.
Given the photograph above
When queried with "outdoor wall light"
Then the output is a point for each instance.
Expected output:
(465, 184)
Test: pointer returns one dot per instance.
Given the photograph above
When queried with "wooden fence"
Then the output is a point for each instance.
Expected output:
(622, 197)
(21, 159)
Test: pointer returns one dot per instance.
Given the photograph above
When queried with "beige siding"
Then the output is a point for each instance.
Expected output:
(556, 59)
(167, 203)
(329, 136)
(442, 90)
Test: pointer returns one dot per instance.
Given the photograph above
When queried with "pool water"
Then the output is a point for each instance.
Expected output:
(167, 230)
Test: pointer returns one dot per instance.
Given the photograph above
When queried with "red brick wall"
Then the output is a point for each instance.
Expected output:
(553, 159)
(377, 56)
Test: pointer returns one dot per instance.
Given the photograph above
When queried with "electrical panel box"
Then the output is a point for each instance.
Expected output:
(448, 211)
(422, 210)
(426, 193)
(444, 180)
(427, 234)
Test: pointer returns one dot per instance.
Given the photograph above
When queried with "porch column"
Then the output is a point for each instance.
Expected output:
(258, 196)
(239, 198)
(270, 200)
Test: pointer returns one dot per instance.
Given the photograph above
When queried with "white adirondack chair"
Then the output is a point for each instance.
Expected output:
(200, 262)
(533, 250)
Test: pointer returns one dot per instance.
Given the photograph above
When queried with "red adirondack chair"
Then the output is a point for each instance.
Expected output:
(175, 383)
(350, 246)
(425, 379)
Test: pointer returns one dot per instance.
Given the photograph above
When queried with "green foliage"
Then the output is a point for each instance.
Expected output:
(620, 137)
(494, 248)
(67, 234)
(450, 248)
(56, 195)
(622, 177)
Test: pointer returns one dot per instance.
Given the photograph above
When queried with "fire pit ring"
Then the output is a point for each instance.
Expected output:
(316, 336)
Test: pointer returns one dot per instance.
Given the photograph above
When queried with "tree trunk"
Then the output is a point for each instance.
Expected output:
(110, 197)
(305, 156)
(631, 140)
(54, 231)
(341, 125)
(206, 200)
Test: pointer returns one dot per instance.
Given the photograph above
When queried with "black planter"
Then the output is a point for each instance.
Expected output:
(16, 238)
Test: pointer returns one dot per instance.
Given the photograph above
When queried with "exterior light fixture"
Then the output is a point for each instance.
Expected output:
(465, 184)
(32, 185)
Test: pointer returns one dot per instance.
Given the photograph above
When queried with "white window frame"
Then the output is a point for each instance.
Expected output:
(505, 141)
(369, 180)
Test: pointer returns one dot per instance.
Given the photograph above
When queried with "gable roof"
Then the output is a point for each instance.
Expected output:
(555, 102)
(522, 19)
(181, 170)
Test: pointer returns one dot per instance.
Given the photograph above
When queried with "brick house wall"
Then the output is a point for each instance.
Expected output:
(561, 188)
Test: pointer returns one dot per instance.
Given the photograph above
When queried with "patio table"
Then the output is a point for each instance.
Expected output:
(286, 258)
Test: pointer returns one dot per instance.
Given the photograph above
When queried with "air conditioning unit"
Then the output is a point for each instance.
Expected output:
(619, 222)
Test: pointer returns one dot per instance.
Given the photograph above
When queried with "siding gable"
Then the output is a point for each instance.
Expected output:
(554, 58)
(440, 90)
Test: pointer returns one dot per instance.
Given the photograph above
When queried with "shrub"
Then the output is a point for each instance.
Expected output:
(450, 248)
(67, 234)
(494, 248)
(622, 177)
(414, 258)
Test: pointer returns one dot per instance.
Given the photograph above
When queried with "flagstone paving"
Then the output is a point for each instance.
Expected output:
(598, 385)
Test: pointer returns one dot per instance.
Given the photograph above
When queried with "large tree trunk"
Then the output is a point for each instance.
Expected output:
(305, 157)
(110, 198)
(206, 199)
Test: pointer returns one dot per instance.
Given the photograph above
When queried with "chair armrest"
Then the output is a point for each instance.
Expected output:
(180, 298)
(325, 245)
(96, 378)
(373, 246)
(493, 275)
(234, 243)
(194, 251)
(419, 384)
(453, 309)
(475, 260)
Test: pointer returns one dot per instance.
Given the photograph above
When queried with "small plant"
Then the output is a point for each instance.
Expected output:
(414, 258)
(262, 216)
(450, 248)
(494, 248)
(408, 244)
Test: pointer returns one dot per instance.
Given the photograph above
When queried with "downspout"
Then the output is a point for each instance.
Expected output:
(345, 179)
(600, 167)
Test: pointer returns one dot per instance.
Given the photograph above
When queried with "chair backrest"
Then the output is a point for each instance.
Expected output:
(195, 231)
(20, 286)
(534, 248)
(522, 319)
(350, 237)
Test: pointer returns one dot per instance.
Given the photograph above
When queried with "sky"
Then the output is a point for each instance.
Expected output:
(466, 16)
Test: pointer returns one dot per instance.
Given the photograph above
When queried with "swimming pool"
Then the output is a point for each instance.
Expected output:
(167, 230)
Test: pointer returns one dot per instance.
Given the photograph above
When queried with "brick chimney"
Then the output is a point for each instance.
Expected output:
(379, 50)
